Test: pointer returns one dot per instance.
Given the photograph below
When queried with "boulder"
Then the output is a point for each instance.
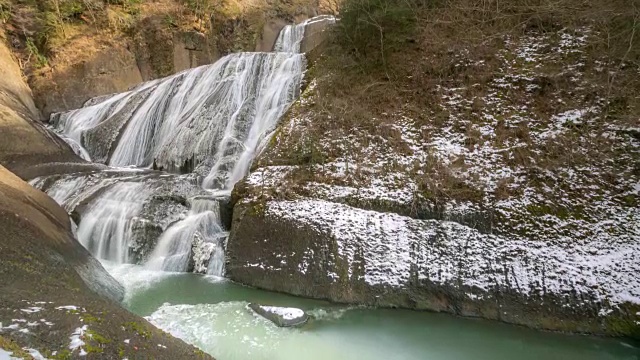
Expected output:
(55, 297)
(281, 316)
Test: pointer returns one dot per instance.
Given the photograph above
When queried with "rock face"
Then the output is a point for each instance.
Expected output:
(316, 33)
(24, 142)
(153, 50)
(53, 291)
(110, 70)
(282, 317)
(332, 251)
(269, 34)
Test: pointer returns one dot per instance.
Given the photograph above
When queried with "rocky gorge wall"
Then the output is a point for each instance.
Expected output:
(25, 142)
(320, 249)
(164, 39)
(434, 206)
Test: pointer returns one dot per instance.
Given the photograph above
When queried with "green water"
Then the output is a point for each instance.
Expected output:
(212, 315)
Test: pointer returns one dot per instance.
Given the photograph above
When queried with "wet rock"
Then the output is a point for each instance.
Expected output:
(281, 316)
(201, 252)
(145, 237)
(161, 199)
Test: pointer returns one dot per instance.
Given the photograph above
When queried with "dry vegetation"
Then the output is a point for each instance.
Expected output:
(64, 32)
(511, 110)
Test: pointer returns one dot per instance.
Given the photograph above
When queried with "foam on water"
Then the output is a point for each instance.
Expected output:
(229, 330)
(134, 278)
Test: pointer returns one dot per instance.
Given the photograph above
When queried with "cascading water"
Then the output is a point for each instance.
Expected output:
(200, 232)
(106, 228)
(209, 121)
(212, 117)
(291, 36)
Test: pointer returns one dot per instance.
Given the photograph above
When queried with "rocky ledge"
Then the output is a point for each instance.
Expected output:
(332, 251)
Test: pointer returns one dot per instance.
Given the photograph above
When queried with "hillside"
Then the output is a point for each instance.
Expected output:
(515, 125)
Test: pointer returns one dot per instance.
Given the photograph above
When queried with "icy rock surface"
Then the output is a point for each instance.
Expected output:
(394, 248)
(281, 316)
(122, 215)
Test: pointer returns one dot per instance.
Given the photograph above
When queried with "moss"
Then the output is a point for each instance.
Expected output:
(630, 200)
(63, 354)
(138, 328)
(98, 338)
(257, 209)
(90, 319)
(561, 212)
(96, 342)
(12, 346)
(199, 353)
(623, 326)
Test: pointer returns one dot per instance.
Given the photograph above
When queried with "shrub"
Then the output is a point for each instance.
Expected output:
(5, 11)
(372, 29)
(35, 54)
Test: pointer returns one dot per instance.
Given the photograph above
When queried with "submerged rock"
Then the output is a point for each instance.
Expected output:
(281, 316)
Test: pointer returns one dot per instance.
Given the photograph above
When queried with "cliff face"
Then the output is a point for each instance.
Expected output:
(497, 181)
(91, 56)
(25, 144)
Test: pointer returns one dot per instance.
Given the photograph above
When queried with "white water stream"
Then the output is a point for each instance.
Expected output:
(210, 120)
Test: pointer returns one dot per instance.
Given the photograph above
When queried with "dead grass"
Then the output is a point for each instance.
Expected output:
(459, 49)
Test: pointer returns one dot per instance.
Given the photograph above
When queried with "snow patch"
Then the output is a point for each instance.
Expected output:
(77, 339)
(393, 248)
(284, 312)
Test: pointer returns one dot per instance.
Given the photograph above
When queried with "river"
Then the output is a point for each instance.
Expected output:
(211, 313)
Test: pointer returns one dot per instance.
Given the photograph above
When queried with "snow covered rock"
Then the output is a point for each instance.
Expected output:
(326, 250)
(281, 316)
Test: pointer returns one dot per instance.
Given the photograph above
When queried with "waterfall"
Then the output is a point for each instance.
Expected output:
(212, 116)
(291, 36)
(210, 121)
(106, 227)
(175, 248)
